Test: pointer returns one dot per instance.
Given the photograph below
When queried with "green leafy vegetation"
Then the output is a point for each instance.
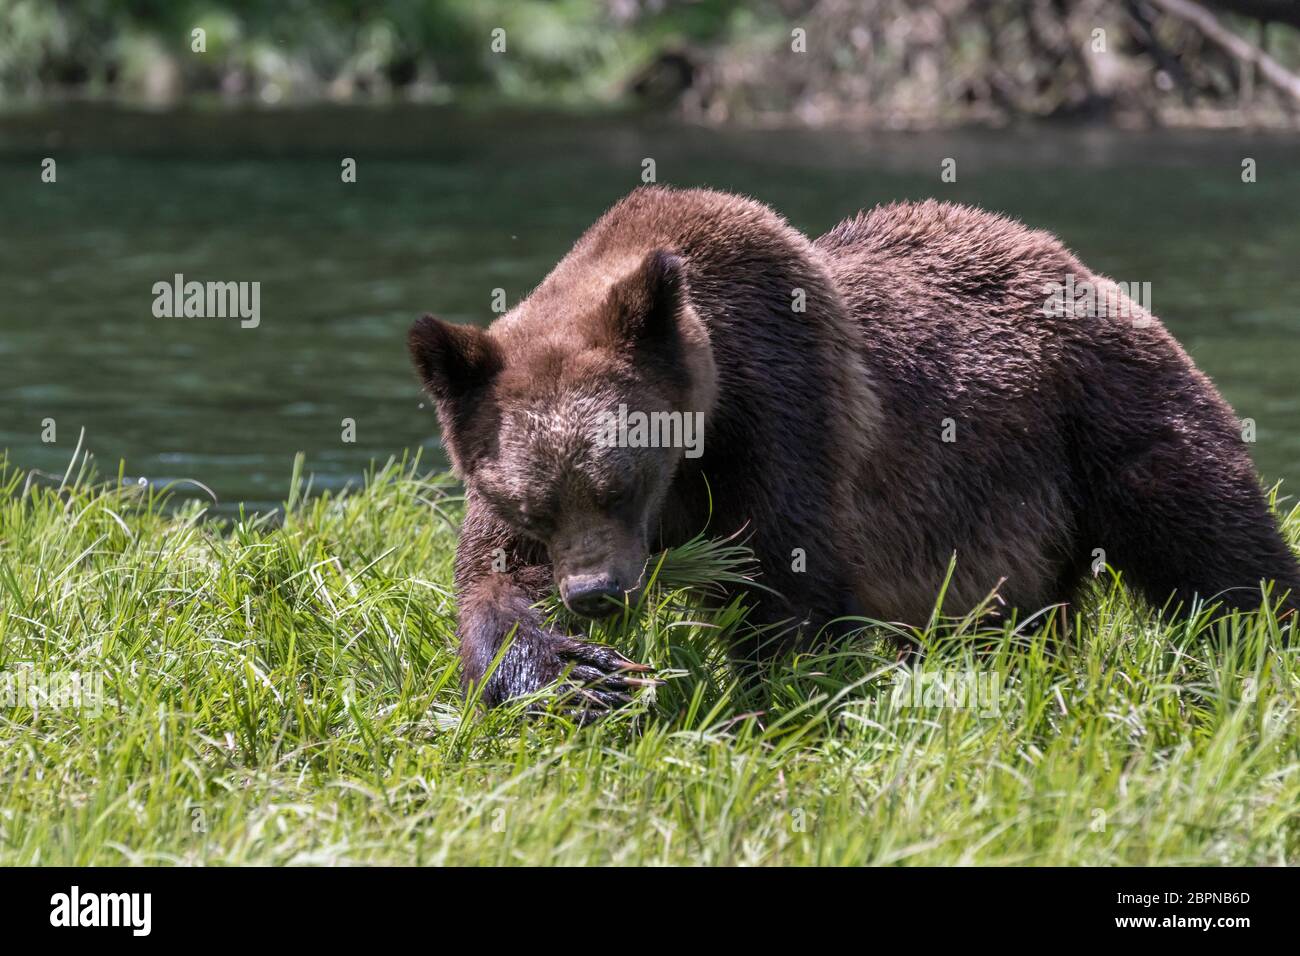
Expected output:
(300, 51)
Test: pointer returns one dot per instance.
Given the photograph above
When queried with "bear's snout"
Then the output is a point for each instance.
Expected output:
(595, 560)
(592, 595)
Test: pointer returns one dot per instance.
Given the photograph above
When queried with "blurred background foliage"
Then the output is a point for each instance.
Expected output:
(895, 63)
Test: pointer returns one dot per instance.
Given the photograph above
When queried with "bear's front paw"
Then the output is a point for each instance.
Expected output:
(595, 678)
(591, 679)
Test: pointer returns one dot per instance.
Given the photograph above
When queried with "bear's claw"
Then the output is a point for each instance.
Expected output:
(597, 678)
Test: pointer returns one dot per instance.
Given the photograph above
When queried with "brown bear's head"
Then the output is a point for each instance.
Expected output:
(540, 415)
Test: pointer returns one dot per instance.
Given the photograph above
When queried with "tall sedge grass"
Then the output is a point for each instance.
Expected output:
(284, 689)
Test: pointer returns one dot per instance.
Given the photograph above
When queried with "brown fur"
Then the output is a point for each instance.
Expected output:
(824, 428)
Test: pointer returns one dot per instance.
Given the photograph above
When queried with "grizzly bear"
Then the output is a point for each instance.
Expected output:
(909, 387)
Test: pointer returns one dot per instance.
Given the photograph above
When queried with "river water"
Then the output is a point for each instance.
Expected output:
(448, 207)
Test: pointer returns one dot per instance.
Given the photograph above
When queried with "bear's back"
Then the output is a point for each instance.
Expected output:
(951, 249)
(950, 303)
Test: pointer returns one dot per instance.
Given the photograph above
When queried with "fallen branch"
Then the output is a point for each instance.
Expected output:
(1272, 72)
(1265, 11)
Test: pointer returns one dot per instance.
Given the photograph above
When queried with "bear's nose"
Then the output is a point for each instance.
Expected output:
(589, 594)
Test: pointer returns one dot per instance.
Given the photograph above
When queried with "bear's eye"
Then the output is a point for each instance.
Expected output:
(527, 520)
(615, 498)
(517, 514)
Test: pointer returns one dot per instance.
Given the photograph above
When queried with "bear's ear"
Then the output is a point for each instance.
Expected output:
(452, 359)
(644, 305)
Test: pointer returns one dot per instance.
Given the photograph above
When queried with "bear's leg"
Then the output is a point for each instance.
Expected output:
(498, 580)
(1186, 518)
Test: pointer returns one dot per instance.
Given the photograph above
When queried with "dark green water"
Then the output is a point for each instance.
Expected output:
(448, 208)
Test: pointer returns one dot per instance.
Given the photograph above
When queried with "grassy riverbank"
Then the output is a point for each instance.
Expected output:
(286, 691)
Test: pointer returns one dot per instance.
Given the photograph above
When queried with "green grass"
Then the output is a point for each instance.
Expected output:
(287, 692)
